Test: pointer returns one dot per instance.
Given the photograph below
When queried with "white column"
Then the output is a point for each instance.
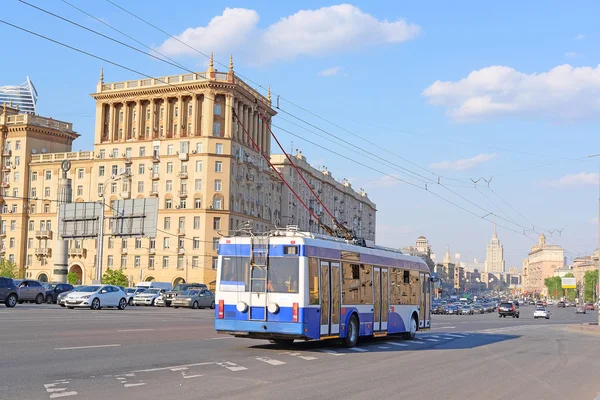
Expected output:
(111, 122)
(228, 116)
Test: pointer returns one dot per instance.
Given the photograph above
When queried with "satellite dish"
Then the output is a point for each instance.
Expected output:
(43, 149)
(33, 151)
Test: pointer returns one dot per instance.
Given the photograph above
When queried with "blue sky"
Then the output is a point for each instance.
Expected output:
(461, 91)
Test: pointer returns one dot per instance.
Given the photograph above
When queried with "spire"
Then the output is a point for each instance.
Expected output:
(495, 233)
(211, 64)
(231, 63)
(269, 94)
(101, 75)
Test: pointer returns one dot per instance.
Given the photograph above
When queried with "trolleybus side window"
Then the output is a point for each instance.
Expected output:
(414, 287)
(395, 283)
(313, 280)
(235, 274)
(366, 284)
(283, 274)
(350, 283)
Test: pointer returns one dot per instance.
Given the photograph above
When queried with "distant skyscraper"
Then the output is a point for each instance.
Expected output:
(23, 97)
(494, 255)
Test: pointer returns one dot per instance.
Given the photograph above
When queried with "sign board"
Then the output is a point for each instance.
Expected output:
(79, 220)
(569, 283)
(135, 217)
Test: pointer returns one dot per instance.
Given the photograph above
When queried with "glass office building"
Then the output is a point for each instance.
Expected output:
(24, 97)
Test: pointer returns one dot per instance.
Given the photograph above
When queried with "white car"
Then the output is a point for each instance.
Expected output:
(148, 297)
(96, 297)
(550, 302)
(541, 312)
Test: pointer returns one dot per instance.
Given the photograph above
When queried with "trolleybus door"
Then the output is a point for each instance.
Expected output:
(425, 309)
(330, 298)
(381, 304)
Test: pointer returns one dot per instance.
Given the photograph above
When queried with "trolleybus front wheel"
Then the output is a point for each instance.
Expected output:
(351, 333)
(410, 335)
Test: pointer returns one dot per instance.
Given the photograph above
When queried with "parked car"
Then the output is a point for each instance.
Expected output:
(155, 285)
(561, 304)
(194, 298)
(589, 306)
(541, 312)
(580, 309)
(180, 288)
(96, 297)
(478, 309)
(508, 309)
(60, 299)
(54, 289)
(30, 290)
(148, 297)
(9, 293)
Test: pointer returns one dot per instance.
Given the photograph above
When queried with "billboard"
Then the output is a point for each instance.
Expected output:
(569, 283)
(79, 220)
(135, 217)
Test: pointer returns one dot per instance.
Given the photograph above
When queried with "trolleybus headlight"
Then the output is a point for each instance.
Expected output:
(273, 308)
(242, 307)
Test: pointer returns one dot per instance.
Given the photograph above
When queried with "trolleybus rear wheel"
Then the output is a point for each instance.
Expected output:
(351, 333)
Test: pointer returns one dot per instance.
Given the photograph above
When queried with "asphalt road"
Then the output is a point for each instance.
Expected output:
(47, 352)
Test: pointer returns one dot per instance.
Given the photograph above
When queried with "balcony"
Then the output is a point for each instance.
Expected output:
(77, 252)
(181, 250)
(153, 193)
(6, 153)
(128, 160)
(5, 184)
(6, 168)
(182, 194)
(180, 232)
(183, 156)
(152, 250)
(155, 158)
(2, 250)
(3, 232)
(43, 252)
(43, 234)
(183, 175)
(124, 250)
(125, 195)
(154, 175)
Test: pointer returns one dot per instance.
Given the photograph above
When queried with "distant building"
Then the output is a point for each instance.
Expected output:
(23, 97)
(421, 249)
(494, 255)
(542, 262)
(474, 265)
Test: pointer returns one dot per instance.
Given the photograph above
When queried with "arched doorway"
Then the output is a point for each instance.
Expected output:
(149, 279)
(42, 277)
(78, 271)
(178, 280)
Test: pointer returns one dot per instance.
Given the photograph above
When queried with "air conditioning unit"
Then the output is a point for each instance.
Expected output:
(177, 206)
(13, 166)
(97, 155)
(110, 155)
(193, 151)
(123, 155)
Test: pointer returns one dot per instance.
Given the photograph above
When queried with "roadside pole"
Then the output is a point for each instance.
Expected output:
(598, 283)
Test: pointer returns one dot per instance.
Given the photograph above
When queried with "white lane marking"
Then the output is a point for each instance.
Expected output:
(432, 340)
(299, 355)
(434, 336)
(135, 330)
(359, 349)
(270, 361)
(128, 385)
(383, 347)
(455, 335)
(50, 385)
(397, 344)
(445, 327)
(330, 352)
(190, 376)
(417, 342)
(62, 394)
(178, 369)
(221, 337)
(173, 366)
(56, 390)
(88, 347)
(231, 366)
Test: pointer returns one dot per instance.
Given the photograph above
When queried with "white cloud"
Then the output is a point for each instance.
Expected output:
(330, 71)
(306, 33)
(579, 37)
(466, 163)
(563, 93)
(593, 220)
(384, 181)
(581, 179)
(570, 54)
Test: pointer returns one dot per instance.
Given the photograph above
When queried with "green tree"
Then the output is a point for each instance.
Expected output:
(554, 285)
(590, 280)
(72, 278)
(115, 277)
(8, 269)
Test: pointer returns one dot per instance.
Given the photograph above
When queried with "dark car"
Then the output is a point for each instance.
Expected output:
(180, 288)
(508, 309)
(31, 290)
(561, 304)
(452, 309)
(54, 289)
(9, 294)
(478, 309)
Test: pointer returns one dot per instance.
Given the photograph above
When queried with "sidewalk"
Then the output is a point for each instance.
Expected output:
(586, 328)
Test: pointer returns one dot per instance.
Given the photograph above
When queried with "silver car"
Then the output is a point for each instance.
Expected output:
(30, 290)
(194, 298)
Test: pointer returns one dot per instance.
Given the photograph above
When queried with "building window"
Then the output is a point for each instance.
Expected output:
(29, 259)
(180, 262)
(182, 203)
(215, 243)
(100, 189)
(198, 165)
(216, 223)
(34, 176)
(148, 113)
(197, 203)
(134, 115)
(218, 166)
(123, 262)
(16, 179)
(121, 116)
(169, 168)
(162, 112)
(143, 151)
(111, 242)
(162, 131)
(47, 192)
(140, 186)
(169, 185)
(199, 147)
(48, 175)
(17, 160)
(137, 262)
(113, 187)
(101, 171)
(196, 243)
(80, 190)
(31, 226)
(219, 148)
(115, 170)
(13, 225)
(30, 243)
(217, 204)
(155, 187)
(167, 223)
(218, 185)
(102, 154)
(195, 262)
(176, 111)
(109, 261)
(168, 204)
(198, 184)
(217, 108)
(196, 222)
(18, 145)
(11, 243)
(165, 263)
(166, 242)
(215, 262)
(147, 131)
(190, 109)
(142, 169)
(152, 243)
(150, 262)
(170, 150)
(46, 208)
(216, 129)
(80, 173)
(14, 206)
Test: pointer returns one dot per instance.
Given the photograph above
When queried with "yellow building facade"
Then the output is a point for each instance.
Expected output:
(178, 138)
